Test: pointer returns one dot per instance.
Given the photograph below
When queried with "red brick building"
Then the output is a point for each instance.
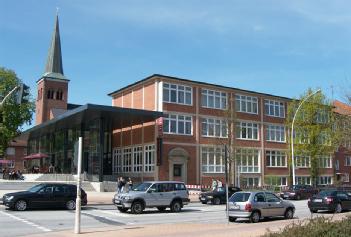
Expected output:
(195, 129)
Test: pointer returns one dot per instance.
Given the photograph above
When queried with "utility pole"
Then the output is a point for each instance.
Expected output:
(78, 199)
(8, 95)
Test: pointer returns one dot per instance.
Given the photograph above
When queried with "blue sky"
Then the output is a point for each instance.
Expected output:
(277, 47)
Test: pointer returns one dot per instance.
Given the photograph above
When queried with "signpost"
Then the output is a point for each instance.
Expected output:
(78, 199)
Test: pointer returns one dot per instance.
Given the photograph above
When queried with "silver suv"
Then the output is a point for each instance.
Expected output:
(160, 194)
(258, 204)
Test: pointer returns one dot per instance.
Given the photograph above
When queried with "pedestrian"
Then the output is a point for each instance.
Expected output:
(219, 184)
(214, 184)
(130, 184)
(123, 184)
(119, 184)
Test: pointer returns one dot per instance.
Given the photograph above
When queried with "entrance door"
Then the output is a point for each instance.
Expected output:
(178, 162)
(178, 172)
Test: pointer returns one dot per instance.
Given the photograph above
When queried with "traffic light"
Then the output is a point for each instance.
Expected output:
(23, 93)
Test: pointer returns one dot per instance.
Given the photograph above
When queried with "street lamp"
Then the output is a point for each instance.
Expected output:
(292, 133)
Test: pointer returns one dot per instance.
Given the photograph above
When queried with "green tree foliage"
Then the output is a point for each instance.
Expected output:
(315, 130)
(12, 115)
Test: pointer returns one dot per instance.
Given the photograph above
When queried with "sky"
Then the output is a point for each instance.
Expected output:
(280, 47)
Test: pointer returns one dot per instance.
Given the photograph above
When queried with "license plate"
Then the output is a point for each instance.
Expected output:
(203, 198)
(117, 201)
(317, 200)
(235, 207)
(286, 196)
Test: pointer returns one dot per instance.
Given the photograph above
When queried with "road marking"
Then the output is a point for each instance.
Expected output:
(26, 222)
(103, 217)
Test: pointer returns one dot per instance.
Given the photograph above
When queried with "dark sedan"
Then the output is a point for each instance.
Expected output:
(298, 192)
(218, 195)
(45, 195)
(330, 200)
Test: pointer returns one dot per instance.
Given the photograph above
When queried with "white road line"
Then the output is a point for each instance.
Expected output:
(26, 222)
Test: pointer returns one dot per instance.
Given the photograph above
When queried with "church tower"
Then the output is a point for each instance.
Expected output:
(53, 85)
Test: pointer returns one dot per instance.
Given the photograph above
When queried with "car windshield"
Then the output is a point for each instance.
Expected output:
(240, 197)
(142, 187)
(35, 188)
(327, 193)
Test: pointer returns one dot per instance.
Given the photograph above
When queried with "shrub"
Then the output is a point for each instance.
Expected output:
(317, 227)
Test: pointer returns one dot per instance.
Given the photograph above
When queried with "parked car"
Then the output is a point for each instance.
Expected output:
(218, 195)
(257, 205)
(299, 192)
(45, 195)
(159, 194)
(330, 200)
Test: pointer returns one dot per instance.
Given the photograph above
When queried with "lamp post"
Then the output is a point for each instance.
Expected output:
(292, 133)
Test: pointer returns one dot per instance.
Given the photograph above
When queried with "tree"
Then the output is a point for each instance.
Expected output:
(315, 132)
(12, 115)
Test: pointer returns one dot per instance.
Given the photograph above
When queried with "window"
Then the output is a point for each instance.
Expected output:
(138, 159)
(346, 178)
(59, 95)
(322, 117)
(324, 180)
(248, 160)
(246, 104)
(213, 99)
(212, 159)
(250, 181)
(303, 180)
(50, 94)
(247, 130)
(276, 158)
(301, 136)
(348, 161)
(117, 161)
(270, 197)
(177, 124)
(325, 162)
(323, 138)
(178, 94)
(275, 133)
(177, 170)
(337, 165)
(302, 161)
(127, 160)
(274, 108)
(214, 128)
(149, 158)
(10, 151)
(276, 181)
(260, 197)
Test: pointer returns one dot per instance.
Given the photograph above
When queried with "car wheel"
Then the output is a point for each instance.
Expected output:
(71, 205)
(255, 217)
(216, 201)
(122, 209)
(232, 219)
(176, 206)
(21, 205)
(137, 208)
(161, 208)
(313, 211)
(204, 202)
(289, 214)
(338, 208)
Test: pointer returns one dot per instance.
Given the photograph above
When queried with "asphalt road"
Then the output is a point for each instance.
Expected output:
(98, 216)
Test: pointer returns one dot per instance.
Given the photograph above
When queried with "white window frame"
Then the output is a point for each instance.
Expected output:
(246, 104)
(346, 177)
(127, 159)
(248, 160)
(275, 133)
(276, 158)
(212, 159)
(137, 159)
(256, 181)
(150, 158)
(325, 180)
(170, 88)
(325, 161)
(212, 127)
(347, 161)
(249, 128)
(302, 161)
(219, 99)
(274, 108)
(281, 181)
(176, 121)
(117, 161)
(305, 180)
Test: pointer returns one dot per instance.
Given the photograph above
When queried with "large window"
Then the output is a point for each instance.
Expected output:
(274, 108)
(325, 161)
(177, 124)
(212, 159)
(275, 158)
(250, 181)
(246, 104)
(179, 94)
(132, 159)
(303, 180)
(247, 130)
(213, 99)
(214, 128)
(276, 180)
(275, 133)
(324, 180)
(348, 161)
(248, 160)
(302, 161)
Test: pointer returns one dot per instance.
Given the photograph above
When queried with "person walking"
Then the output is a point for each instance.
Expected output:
(119, 184)
(130, 184)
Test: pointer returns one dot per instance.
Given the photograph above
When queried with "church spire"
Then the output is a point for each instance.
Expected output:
(54, 67)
